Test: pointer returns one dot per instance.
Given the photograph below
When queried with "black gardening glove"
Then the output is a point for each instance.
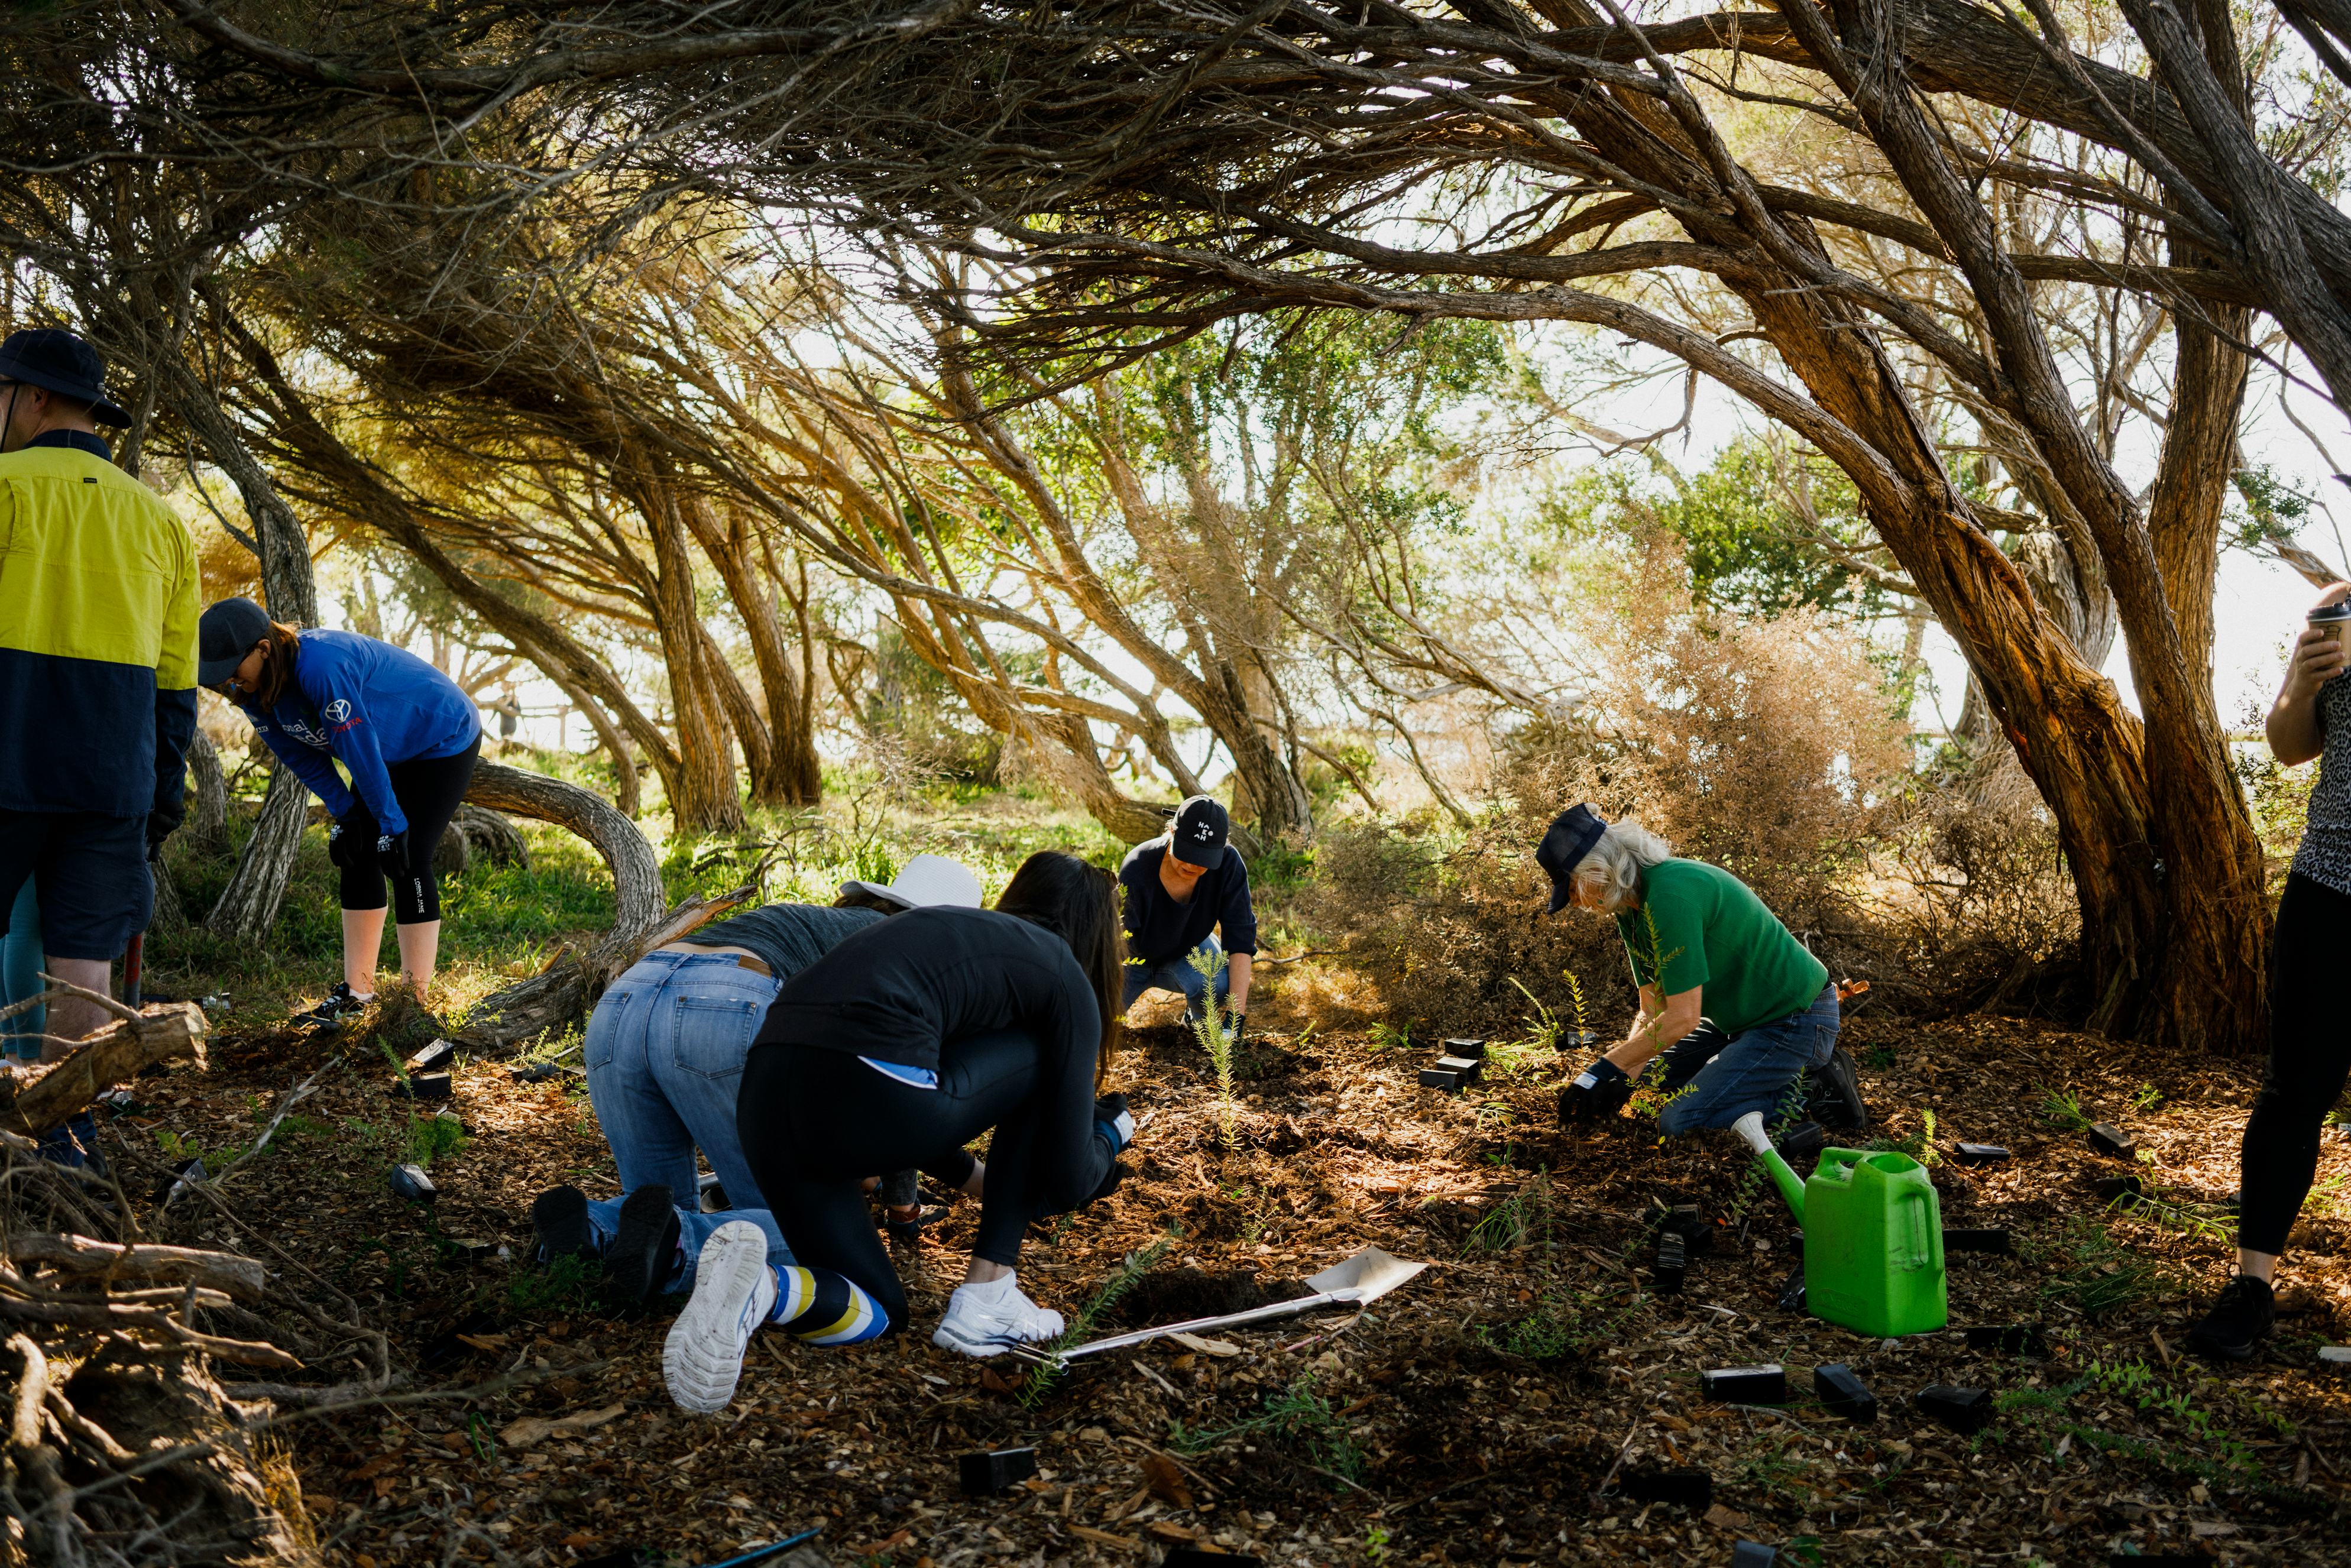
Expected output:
(1115, 1121)
(392, 853)
(1598, 1092)
(342, 847)
(159, 827)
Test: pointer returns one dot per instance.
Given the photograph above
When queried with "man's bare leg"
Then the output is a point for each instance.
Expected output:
(70, 1018)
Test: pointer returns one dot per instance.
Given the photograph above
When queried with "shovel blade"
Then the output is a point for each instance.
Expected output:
(1365, 1276)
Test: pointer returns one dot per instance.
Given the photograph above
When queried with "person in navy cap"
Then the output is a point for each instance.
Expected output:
(1179, 890)
(1704, 951)
(99, 589)
(410, 737)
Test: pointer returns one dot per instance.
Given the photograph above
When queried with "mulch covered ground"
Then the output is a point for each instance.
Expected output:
(1494, 1409)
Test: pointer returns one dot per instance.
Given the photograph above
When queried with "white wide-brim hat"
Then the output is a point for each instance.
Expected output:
(928, 879)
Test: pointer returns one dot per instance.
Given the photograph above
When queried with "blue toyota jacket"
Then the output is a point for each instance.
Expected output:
(368, 704)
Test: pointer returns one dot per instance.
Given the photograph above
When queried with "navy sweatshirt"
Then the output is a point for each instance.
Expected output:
(1158, 928)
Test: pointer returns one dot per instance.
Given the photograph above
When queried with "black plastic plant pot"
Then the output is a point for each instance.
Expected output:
(627, 1557)
(2124, 1189)
(2158, 1560)
(1791, 1291)
(1847, 1396)
(1746, 1385)
(1753, 1554)
(409, 1181)
(1966, 1240)
(1802, 1140)
(429, 1086)
(1673, 1265)
(1452, 1080)
(1963, 1410)
(2109, 1139)
(1979, 1153)
(193, 1170)
(2009, 1339)
(1192, 1557)
(994, 1470)
(438, 1054)
(1471, 1049)
(1681, 1219)
(1684, 1487)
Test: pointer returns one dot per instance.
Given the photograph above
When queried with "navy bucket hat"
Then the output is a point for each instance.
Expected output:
(1564, 845)
(59, 361)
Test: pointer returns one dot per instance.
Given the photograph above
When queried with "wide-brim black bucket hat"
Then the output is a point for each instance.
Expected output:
(58, 360)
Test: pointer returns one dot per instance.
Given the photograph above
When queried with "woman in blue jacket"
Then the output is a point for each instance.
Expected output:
(408, 735)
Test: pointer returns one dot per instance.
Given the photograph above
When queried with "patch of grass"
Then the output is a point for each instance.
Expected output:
(1392, 1036)
(557, 1288)
(2062, 1109)
(180, 1149)
(2090, 1268)
(1877, 1056)
(433, 1137)
(1296, 1416)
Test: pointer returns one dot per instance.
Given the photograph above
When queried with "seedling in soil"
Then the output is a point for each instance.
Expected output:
(2009, 1339)
(1044, 1372)
(1214, 1031)
(1847, 1396)
(1391, 1037)
(996, 1470)
(1746, 1385)
(1963, 1410)
(2064, 1111)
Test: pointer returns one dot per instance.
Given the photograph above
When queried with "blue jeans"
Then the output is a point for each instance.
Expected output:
(1176, 974)
(1754, 1071)
(665, 1052)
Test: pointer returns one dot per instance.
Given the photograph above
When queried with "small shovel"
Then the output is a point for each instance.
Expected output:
(1362, 1279)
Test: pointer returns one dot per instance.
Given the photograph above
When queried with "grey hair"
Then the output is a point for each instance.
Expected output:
(1613, 867)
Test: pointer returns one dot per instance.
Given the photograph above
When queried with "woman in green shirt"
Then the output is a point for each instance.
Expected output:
(1704, 950)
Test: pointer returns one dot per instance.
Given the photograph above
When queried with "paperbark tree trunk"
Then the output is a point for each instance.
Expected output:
(248, 906)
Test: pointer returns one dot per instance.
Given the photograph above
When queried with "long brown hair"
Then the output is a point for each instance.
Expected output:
(277, 670)
(1078, 903)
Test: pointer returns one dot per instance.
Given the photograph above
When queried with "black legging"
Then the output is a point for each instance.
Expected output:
(429, 790)
(815, 1123)
(2309, 1056)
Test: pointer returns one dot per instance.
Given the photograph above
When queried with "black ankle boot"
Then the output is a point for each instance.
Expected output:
(645, 1245)
(2237, 1322)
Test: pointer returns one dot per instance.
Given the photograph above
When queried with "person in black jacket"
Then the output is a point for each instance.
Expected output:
(902, 1044)
(1178, 890)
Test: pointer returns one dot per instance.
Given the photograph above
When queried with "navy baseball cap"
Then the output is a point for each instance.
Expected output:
(58, 361)
(225, 633)
(1564, 845)
(1200, 831)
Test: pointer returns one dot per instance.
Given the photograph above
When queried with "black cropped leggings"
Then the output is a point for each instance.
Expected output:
(2309, 1056)
(429, 790)
(816, 1122)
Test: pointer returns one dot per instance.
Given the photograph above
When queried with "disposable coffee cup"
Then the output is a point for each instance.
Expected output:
(2335, 619)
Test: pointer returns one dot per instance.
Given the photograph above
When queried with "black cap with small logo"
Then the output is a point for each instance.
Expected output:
(1200, 831)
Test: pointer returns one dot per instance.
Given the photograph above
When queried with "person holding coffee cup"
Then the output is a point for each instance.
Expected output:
(2310, 1054)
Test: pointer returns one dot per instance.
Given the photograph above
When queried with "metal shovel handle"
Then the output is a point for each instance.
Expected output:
(1227, 1321)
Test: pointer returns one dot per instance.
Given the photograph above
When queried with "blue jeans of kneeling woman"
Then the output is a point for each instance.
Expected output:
(665, 1052)
(1721, 1079)
(1176, 974)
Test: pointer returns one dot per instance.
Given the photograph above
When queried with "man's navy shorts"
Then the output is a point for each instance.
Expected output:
(89, 873)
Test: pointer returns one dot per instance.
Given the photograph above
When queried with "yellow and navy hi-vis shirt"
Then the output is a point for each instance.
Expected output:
(98, 595)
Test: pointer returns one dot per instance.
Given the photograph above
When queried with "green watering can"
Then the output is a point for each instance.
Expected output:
(1872, 1237)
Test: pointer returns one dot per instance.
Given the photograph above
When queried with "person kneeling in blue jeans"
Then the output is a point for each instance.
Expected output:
(1704, 951)
(665, 1052)
(1175, 893)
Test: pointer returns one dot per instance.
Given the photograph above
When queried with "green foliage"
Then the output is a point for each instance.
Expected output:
(1764, 531)
(559, 1288)
(2062, 1109)
(433, 1137)
(1295, 1417)
(2088, 1267)
(1386, 1036)
(1214, 1031)
(1044, 1376)
(1920, 1146)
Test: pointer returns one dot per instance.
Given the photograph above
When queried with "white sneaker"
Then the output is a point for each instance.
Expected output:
(734, 1291)
(989, 1320)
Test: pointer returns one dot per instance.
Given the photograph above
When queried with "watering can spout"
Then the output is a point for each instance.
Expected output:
(1792, 1188)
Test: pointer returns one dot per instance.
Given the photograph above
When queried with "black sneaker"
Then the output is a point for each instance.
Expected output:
(340, 1004)
(1835, 1099)
(559, 1217)
(2237, 1322)
(637, 1263)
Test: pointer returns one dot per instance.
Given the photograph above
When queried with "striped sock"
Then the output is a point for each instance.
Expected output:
(820, 1307)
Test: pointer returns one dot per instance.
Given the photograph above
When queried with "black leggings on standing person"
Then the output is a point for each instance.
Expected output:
(814, 1123)
(2309, 1056)
(429, 790)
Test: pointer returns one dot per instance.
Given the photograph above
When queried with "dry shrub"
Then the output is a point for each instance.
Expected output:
(1765, 748)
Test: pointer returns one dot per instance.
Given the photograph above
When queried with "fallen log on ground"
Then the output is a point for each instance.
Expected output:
(161, 1031)
(567, 986)
(84, 1256)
